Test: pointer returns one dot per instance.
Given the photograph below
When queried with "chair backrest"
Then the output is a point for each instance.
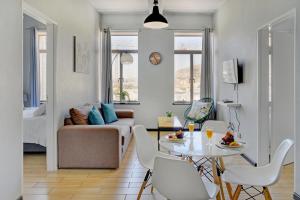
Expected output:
(145, 145)
(216, 126)
(277, 161)
(177, 180)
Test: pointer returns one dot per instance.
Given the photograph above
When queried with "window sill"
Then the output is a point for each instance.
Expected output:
(181, 103)
(127, 103)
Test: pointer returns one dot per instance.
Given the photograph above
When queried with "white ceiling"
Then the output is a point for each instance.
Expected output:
(138, 6)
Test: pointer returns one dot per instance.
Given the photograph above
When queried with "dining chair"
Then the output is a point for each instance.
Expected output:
(216, 126)
(146, 149)
(253, 177)
(178, 180)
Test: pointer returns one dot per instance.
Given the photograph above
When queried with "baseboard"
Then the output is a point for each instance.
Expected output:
(296, 196)
(249, 160)
(20, 198)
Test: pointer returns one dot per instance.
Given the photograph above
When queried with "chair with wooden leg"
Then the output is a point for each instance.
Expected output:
(179, 180)
(257, 177)
(146, 149)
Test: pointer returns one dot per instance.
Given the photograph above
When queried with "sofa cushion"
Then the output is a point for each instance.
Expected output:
(109, 113)
(78, 118)
(124, 121)
(95, 117)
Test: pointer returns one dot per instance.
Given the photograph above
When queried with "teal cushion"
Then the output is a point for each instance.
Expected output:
(109, 113)
(95, 117)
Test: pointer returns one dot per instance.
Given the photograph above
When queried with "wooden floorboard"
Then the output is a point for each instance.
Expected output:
(120, 184)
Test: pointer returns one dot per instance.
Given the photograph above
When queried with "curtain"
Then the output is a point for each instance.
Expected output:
(106, 90)
(206, 68)
(34, 70)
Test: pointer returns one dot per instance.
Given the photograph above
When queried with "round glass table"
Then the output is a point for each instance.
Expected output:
(196, 144)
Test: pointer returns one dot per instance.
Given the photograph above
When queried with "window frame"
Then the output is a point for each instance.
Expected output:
(191, 54)
(121, 77)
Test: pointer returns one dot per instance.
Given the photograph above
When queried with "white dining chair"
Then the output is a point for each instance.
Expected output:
(264, 176)
(216, 126)
(178, 180)
(146, 149)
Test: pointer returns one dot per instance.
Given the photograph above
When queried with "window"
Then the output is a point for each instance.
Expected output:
(125, 67)
(187, 67)
(42, 61)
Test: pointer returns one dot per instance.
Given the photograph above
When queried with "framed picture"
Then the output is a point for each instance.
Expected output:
(81, 56)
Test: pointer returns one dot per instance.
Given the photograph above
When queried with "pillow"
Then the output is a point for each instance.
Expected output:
(199, 110)
(78, 118)
(41, 110)
(95, 117)
(109, 113)
(85, 109)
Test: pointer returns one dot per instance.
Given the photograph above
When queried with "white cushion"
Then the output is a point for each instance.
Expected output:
(40, 110)
(199, 110)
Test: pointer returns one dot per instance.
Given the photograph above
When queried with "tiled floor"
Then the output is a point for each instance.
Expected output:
(122, 183)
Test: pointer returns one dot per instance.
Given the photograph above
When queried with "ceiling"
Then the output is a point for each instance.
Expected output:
(139, 6)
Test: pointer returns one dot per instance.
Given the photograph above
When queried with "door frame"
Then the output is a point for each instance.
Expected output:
(263, 139)
(51, 152)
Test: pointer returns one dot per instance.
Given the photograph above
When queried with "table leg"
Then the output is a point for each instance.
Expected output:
(158, 138)
(228, 185)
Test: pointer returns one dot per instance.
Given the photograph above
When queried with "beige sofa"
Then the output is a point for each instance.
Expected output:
(95, 146)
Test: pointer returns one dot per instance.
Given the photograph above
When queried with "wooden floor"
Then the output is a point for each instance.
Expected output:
(122, 183)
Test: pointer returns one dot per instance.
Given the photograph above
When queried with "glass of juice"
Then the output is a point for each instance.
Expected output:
(191, 127)
(209, 135)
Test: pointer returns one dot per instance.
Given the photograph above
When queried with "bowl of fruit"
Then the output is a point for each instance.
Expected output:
(229, 141)
(177, 137)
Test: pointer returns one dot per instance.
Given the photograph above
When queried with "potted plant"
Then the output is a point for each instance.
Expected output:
(169, 114)
(123, 96)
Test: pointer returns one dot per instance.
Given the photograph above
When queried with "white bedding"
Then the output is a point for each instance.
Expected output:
(34, 127)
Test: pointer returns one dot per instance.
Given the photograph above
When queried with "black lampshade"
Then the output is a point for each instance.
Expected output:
(155, 20)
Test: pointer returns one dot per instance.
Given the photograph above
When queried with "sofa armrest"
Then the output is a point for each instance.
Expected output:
(85, 146)
(125, 113)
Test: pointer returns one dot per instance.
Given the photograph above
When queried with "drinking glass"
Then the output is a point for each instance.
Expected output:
(191, 127)
(209, 135)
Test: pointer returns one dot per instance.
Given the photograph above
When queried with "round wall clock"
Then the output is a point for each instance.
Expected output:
(155, 58)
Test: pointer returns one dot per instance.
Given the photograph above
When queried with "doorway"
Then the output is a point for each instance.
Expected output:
(276, 86)
(39, 91)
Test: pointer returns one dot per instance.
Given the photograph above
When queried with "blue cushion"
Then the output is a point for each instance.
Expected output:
(95, 117)
(109, 113)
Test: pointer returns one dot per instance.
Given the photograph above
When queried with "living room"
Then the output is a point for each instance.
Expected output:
(105, 52)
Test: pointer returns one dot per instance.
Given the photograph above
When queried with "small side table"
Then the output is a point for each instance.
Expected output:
(167, 124)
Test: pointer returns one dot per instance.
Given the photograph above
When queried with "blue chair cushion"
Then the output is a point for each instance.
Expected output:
(95, 117)
(109, 113)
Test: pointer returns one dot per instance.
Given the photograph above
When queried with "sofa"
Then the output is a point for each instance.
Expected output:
(95, 146)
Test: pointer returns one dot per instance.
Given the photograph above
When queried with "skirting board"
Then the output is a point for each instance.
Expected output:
(296, 196)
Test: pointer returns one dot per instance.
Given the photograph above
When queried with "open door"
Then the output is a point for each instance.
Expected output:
(276, 86)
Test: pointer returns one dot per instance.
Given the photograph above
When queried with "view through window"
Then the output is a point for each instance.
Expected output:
(42, 61)
(187, 67)
(125, 67)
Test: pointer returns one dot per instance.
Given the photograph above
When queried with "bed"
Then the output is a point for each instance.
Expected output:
(34, 131)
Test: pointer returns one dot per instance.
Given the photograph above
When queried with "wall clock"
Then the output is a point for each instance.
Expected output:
(155, 58)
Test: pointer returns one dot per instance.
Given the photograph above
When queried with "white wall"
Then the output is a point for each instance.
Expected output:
(156, 83)
(28, 22)
(11, 155)
(73, 17)
(237, 23)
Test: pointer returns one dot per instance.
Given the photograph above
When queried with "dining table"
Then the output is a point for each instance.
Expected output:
(196, 144)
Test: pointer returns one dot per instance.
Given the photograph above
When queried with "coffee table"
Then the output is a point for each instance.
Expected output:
(167, 124)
